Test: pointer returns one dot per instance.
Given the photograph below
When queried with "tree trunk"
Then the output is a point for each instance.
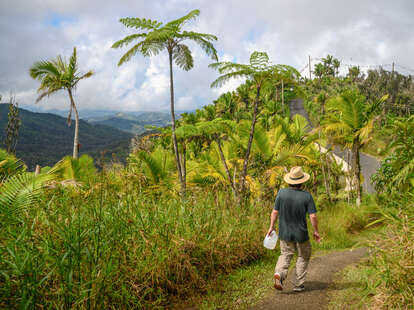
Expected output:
(328, 191)
(223, 160)
(249, 144)
(184, 166)
(357, 170)
(174, 137)
(76, 137)
(325, 181)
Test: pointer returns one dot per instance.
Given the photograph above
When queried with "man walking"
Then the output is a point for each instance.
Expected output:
(291, 206)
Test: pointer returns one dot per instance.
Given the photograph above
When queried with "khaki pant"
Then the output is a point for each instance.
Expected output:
(288, 249)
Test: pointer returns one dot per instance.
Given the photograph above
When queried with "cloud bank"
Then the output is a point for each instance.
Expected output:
(360, 32)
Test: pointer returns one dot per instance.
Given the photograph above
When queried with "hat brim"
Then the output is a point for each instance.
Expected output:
(288, 180)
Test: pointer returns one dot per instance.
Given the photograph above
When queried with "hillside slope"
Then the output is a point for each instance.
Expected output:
(134, 122)
(45, 138)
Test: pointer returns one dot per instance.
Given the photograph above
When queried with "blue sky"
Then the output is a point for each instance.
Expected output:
(356, 32)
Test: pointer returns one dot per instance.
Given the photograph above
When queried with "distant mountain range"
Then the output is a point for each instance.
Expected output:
(133, 122)
(44, 138)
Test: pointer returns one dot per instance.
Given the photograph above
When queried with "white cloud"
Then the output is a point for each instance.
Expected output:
(354, 31)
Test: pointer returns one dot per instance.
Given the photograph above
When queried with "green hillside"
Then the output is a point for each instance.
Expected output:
(45, 138)
(134, 122)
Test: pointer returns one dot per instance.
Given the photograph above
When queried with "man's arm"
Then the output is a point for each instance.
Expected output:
(314, 222)
(273, 219)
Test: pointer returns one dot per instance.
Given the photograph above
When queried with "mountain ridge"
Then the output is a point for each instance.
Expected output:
(44, 138)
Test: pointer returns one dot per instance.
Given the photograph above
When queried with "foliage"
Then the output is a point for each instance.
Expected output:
(168, 37)
(386, 277)
(399, 87)
(9, 165)
(397, 169)
(44, 139)
(77, 169)
(86, 249)
(59, 74)
(13, 125)
(262, 76)
(19, 192)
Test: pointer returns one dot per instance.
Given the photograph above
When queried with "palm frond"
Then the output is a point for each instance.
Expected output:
(72, 66)
(20, 192)
(261, 142)
(42, 68)
(405, 173)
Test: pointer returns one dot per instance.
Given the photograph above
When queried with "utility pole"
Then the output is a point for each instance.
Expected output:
(310, 69)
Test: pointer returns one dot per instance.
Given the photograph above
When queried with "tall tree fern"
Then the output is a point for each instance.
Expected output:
(155, 37)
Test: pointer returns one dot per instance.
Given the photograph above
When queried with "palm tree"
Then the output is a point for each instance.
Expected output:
(57, 74)
(259, 71)
(319, 70)
(350, 119)
(167, 37)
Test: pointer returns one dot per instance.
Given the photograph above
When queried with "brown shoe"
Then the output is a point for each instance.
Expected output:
(278, 282)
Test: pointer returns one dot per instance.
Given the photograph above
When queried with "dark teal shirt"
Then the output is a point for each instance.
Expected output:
(293, 205)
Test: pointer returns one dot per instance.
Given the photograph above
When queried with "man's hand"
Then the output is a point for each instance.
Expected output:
(270, 231)
(316, 236)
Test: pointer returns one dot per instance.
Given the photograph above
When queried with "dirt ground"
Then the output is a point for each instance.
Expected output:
(318, 284)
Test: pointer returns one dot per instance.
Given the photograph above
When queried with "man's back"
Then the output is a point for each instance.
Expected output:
(293, 205)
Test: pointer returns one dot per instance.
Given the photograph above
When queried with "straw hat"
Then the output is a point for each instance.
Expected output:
(296, 176)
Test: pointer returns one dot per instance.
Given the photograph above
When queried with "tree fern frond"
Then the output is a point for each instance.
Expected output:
(128, 39)
(140, 23)
(127, 56)
(203, 40)
(186, 18)
(259, 60)
(182, 57)
(221, 80)
(229, 67)
(152, 48)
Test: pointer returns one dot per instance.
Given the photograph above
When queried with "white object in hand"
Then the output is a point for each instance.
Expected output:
(269, 241)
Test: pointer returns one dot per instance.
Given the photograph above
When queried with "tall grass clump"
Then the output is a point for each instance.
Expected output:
(104, 246)
(392, 262)
(340, 224)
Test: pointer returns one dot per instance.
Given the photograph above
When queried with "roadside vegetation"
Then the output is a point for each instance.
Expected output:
(192, 203)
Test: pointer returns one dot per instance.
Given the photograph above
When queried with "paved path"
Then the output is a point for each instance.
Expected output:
(318, 283)
(369, 164)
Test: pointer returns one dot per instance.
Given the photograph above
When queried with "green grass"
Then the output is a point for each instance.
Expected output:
(109, 247)
(386, 277)
(342, 226)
